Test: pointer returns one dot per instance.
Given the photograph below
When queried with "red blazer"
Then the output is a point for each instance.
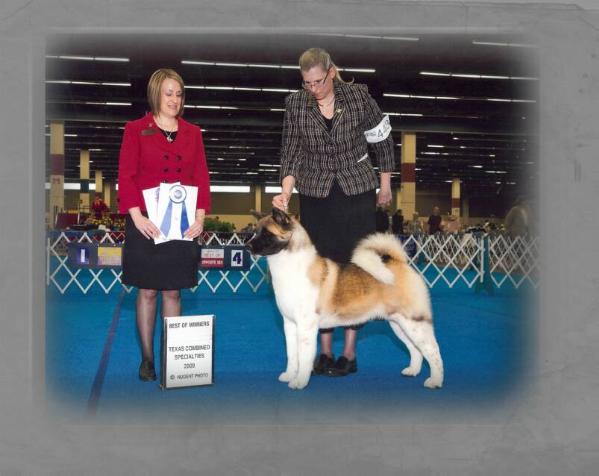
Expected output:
(147, 159)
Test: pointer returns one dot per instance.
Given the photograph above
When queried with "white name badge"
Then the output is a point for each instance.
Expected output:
(380, 132)
(187, 351)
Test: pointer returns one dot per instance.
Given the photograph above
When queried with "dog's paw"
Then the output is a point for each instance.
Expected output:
(298, 383)
(410, 371)
(433, 383)
(285, 377)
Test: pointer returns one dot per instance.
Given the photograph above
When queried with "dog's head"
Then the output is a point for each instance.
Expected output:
(273, 233)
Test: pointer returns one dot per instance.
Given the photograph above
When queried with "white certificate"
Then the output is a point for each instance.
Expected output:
(151, 196)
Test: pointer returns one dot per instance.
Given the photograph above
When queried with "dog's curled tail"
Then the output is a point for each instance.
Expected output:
(374, 251)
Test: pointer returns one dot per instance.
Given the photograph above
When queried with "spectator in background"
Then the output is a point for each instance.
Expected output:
(98, 206)
(397, 223)
(453, 224)
(517, 219)
(434, 221)
(382, 220)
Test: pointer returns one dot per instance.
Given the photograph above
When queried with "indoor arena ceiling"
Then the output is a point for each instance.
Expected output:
(471, 99)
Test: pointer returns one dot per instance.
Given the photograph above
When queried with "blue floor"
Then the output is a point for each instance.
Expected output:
(485, 343)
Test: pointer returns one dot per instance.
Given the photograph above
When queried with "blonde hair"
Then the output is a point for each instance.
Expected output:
(319, 57)
(154, 85)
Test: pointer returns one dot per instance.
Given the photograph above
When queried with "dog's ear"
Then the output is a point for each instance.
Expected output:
(281, 218)
(258, 215)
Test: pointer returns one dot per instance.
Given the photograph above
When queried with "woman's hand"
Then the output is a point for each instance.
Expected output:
(281, 201)
(384, 197)
(145, 226)
(195, 229)
(197, 226)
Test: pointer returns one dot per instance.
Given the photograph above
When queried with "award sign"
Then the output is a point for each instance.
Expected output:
(187, 351)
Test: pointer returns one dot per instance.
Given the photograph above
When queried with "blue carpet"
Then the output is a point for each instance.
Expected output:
(485, 343)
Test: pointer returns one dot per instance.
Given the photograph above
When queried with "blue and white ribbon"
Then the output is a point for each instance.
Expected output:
(176, 195)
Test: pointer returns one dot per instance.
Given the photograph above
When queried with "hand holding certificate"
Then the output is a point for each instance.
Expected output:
(171, 207)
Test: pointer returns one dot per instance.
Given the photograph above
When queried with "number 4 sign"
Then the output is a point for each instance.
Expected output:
(236, 258)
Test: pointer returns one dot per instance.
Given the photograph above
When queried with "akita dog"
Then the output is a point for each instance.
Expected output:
(312, 292)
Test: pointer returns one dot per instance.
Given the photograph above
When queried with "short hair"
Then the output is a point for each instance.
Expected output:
(319, 57)
(154, 84)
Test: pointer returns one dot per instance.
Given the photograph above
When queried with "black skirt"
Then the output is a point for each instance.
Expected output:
(167, 266)
(337, 222)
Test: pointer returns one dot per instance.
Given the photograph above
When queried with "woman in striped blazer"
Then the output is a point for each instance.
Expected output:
(331, 131)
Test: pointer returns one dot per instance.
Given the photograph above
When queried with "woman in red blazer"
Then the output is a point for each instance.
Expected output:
(160, 147)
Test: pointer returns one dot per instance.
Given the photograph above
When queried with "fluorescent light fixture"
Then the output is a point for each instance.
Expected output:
(251, 173)
(87, 58)
(268, 170)
(87, 83)
(477, 166)
(476, 76)
(106, 103)
(358, 70)
(230, 188)
(403, 114)
(70, 135)
(204, 106)
(496, 43)
(269, 165)
(369, 37)
(438, 146)
(511, 100)
(276, 109)
(432, 73)
(105, 58)
(265, 65)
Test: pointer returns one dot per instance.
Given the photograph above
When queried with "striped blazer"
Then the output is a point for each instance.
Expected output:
(316, 157)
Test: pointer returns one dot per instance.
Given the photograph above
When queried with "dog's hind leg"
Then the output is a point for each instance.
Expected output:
(290, 329)
(415, 355)
(307, 334)
(422, 335)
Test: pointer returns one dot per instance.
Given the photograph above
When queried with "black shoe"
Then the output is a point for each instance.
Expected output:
(146, 371)
(343, 367)
(322, 364)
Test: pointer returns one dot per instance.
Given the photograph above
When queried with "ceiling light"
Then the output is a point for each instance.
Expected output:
(494, 43)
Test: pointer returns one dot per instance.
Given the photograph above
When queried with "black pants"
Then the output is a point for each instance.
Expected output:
(337, 223)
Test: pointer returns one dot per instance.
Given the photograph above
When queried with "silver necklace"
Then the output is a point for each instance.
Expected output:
(167, 132)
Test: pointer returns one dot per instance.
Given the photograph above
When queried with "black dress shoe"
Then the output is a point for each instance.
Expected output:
(146, 371)
(322, 364)
(343, 367)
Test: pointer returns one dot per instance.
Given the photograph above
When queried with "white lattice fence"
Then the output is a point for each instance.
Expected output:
(60, 275)
(450, 258)
(514, 260)
(440, 258)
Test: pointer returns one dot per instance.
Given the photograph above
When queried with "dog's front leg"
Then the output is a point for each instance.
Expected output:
(307, 332)
(290, 329)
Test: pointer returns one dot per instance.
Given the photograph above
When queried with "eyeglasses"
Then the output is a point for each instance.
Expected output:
(318, 83)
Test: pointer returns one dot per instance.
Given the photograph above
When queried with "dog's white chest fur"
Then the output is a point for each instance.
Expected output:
(295, 294)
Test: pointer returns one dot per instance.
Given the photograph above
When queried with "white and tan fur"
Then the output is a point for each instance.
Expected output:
(313, 292)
